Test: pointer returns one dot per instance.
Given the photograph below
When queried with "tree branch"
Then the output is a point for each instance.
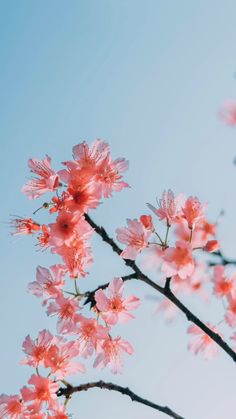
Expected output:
(69, 390)
(166, 291)
(223, 260)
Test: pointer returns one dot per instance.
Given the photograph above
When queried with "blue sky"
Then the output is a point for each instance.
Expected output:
(149, 77)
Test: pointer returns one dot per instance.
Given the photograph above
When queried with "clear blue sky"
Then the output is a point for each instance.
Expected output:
(148, 77)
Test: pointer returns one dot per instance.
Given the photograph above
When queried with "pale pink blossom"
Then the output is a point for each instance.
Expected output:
(36, 350)
(201, 342)
(76, 258)
(58, 412)
(24, 226)
(89, 334)
(170, 311)
(178, 260)
(48, 180)
(67, 311)
(230, 316)
(59, 359)
(135, 236)
(109, 177)
(111, 354)
(193, 211)
(169, 207)
(11, 407)
(42, 390)
(111, 304)
(48, 284)
(193, 284)
(223, 285)
(228, 113)
(88, 159)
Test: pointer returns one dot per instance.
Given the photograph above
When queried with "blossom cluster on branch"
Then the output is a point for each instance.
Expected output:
(77, 189)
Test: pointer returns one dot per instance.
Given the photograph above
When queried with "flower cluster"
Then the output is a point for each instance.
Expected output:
(81, 332)
(186, 218)
(80, 187)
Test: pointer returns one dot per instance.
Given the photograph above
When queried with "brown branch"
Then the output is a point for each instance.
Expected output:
(69, 390)
(166, 291)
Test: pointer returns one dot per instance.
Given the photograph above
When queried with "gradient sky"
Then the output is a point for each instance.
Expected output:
(149, 77)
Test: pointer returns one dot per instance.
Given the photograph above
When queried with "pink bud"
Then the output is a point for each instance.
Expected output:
(211, 246)
(146, 221)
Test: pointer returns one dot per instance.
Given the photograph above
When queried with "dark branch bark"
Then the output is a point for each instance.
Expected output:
(222, 260)
(166, 291)
(69, 390)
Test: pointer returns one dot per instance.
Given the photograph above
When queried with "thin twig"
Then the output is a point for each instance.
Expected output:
(69, 390)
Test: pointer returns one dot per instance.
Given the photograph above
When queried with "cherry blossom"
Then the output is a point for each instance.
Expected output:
(201, 342)
(24, 226)
(36, 351)
(67, 311)
(90, 334)
(223, 285)
(169, 207)
(193, 211)
(178, 260)
(112, 306)
(135, 236)
(228, 113)
(230, 316)
(48, 284)
(48, 179)
(11, 407)
(59, 359)
(111, 354)
(42, 390)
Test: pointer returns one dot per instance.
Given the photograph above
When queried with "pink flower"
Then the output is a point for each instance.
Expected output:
(193, 211)
(66, 228)
(228, 114)
(48, 284)
(76, 258)
(168, 308)
(211, 246)
(59, 359)
(48, 180)
(24, 226)
(230, 316)
(89, 159)
(113, 306)
(11, 407)
(222, 285)
(109, 176)
(201, 342)
(111, 354)
(58, 412)
(178, 260)
(193, 283)
(169, 207)
(89, 334)
(135, 237)
(67, 311)
(42, 390)
(36, 351)
(81, 196)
